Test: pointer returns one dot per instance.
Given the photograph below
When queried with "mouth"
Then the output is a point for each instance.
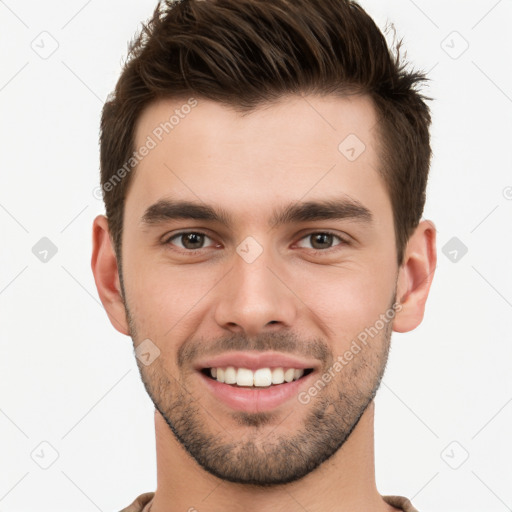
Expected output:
(260, 378)
(259, 390)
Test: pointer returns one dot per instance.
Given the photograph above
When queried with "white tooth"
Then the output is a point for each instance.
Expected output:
(277, 376)
(262, 377)
(288, 374)
(230, 375)
(213, 372)
(220, 374)
(297, 374)
(244, 377)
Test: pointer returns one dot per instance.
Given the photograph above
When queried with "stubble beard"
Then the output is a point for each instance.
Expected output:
(260, 456)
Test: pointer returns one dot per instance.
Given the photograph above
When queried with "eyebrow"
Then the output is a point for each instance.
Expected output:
(332, 209)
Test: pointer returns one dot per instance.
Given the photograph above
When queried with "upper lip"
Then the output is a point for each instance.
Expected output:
(255, 360)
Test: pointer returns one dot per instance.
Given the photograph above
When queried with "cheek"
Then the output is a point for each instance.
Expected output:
(346, 300)
(163, 298)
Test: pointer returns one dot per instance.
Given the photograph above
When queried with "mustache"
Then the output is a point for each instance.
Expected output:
(284, 342)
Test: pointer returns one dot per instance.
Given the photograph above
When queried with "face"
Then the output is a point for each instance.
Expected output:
(260, 235)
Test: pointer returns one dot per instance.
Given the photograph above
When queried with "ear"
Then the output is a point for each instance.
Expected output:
(415, 277)
(106, 275)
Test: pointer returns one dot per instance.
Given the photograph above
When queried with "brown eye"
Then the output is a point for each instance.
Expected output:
(192, 240)
(188, 240)
(322, 241)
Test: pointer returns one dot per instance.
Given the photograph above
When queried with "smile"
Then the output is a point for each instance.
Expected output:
(257, 390)
(261, 377)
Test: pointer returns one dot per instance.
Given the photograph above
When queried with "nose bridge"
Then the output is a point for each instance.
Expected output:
(253, 294)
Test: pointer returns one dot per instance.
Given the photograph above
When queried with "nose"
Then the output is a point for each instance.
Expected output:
(256, 297)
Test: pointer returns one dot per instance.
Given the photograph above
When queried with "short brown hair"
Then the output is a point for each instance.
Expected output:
(246, 53)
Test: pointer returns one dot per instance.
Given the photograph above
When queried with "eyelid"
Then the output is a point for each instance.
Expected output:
(343, 240)
(166, 240)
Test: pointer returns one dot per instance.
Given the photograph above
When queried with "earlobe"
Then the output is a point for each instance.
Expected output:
(106, 275)
(415, 277)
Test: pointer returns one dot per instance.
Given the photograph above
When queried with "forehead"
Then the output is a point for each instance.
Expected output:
(299, 148)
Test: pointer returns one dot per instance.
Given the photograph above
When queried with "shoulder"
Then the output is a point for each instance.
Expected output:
(400, 503)
(140, 504)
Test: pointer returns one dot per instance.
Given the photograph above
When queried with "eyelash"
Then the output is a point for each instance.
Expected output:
(193, 252)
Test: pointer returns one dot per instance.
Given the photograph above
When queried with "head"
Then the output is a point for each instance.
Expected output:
(264, 167)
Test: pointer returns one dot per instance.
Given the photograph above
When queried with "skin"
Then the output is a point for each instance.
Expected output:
(289, 299)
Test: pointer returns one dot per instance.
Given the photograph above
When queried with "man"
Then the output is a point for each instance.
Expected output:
(264, 166)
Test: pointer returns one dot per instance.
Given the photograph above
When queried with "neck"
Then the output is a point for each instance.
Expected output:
(343, 483)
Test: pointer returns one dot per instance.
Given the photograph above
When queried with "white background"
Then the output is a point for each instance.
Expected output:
(70, 380)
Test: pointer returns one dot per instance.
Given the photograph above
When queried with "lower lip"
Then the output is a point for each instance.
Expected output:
(255, 399)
